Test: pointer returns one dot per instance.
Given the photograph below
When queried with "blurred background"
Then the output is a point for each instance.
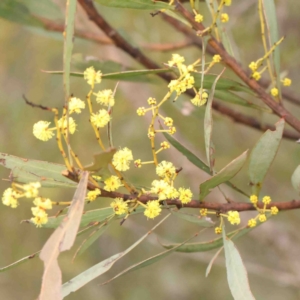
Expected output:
(270, 252)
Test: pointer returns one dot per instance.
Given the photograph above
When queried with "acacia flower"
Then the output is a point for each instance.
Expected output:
(43, 203)
(176, 60)
(100, 119)
(266, 200)
(224, 18)
(252, 223)
(161, 188)
(122, 158)
(253, 199)
(274, 92)
(256, 76)
(141, 111)
(168, 121)
(218, 230)
(119, 206)
(63, 124)
(172, 193)
(105, 98)
(42, 131)
(112, 183)
(92, 195)
(274, 210)
(185, 195)
(31, 189)
(286, 81)
(198, 18)
(262, 218)
(203, 211)
(227, 2)
(234, 217)
(76, 105)
(253, 66)
(138, 163)
(91, 76)
(172, 130)
(40, 216)
(200, 98)
(153, 209)
(216, 58)
(9, 198)
(165, 169)
(165, 145)
(151, 101)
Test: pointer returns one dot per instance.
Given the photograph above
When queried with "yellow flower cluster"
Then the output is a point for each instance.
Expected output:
(122, 158)
(92, 195)
(266, 200)
(119, 206)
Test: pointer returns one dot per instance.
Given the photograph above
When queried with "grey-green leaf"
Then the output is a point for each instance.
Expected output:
(85, 277)
(136, 4)
(237, 276)
(224, 175)
(263, 155)
(296, 179)
(28, 170)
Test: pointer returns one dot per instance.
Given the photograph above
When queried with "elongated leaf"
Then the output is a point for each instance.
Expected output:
(202, 221)
(222, 84)
(208, 125)
(135, 4)
(68, 44)
(208, 269)
(195, 160)
(224, 175)
(17, 11)
(61, 240)
(237, 276)
(271, 20)
(296, 179)
(102, 267)
(19, 262)
(210, 245)
(93, 237)
(147, 262)
(263, 155)
(230, 97)
(96, 215)
(28, 170)
(135, 76)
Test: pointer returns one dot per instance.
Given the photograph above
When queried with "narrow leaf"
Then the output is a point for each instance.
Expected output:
(296, 179)
(61, 240)
(208, 269)
(237, 276)
(195, 160)
(102, 267)
(147, 262)
(224, 175)
(68, 44)
(136, 4)
(29, 170)
(263, 155)
(101, 160)
(209, 245)
(208, 125)
(271, 20)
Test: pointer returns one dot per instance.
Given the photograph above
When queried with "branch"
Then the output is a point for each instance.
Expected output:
(135, 53)
(238, 70)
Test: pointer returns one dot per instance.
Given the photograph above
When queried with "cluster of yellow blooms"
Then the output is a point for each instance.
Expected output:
(262, 212)
(31, 190)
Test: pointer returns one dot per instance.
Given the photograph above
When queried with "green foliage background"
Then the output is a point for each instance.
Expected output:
(270, 252)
